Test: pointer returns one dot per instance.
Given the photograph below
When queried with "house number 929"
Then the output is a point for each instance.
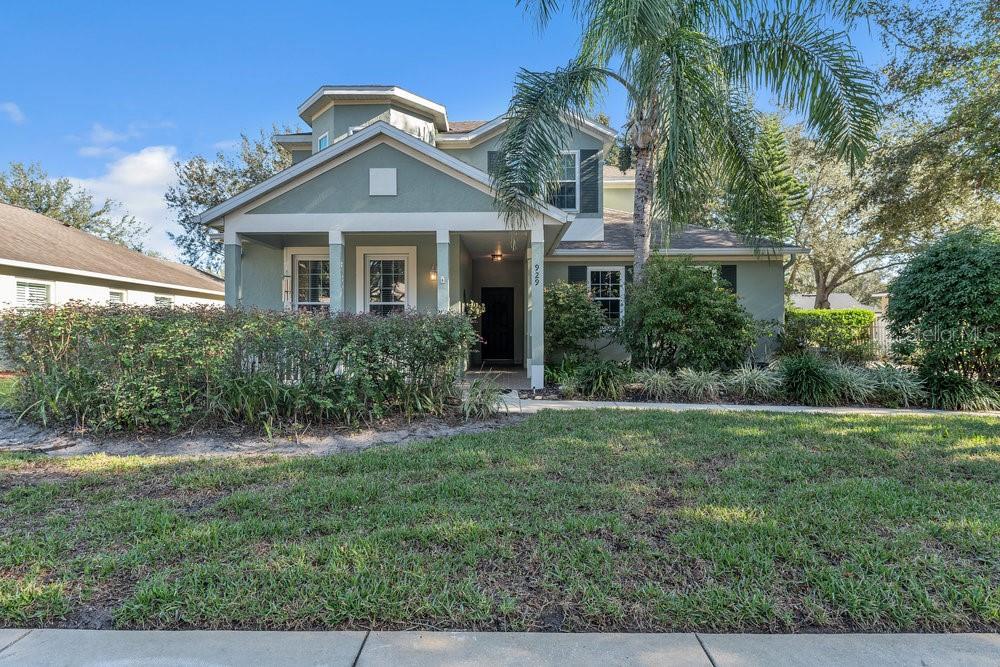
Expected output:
(538, 274)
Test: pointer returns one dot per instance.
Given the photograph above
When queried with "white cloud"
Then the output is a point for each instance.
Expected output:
(103, 136)
(138, 181)
(100, 151)
(13, 112)
(226, 144)
(101, 140)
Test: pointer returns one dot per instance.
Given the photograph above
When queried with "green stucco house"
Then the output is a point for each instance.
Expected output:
(388, 206)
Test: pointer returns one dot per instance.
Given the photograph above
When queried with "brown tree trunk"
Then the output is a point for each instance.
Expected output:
(822, 290)
(642, 212)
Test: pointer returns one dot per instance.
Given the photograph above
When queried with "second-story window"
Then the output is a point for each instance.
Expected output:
(567, 190)
(324, 141)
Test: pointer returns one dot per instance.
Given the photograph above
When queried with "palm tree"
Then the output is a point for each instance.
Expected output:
(688, 68)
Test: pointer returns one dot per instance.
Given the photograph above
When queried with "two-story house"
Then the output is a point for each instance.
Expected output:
(388, 206)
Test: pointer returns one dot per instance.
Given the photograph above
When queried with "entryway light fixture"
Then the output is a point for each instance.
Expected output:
(434, 273)
(497, 256)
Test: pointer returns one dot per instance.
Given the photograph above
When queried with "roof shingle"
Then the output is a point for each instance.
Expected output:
(26, 236)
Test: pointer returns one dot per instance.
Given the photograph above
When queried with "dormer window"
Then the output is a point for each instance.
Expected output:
(324, 141)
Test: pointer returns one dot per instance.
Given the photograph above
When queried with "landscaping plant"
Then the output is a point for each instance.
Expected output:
(953, 391)
(484, 398)
(657, 385)
(682, 316)
(843, 334)
(751, 383)
(854, 384)
(572, 320)
(134, 368)
(602, 379)
(699, 386)
(897, 387)
(809, 379)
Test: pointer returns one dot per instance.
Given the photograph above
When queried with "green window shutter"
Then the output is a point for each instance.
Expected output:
(491, 160)
(589, 181)
(629, 274)
(577, 274)
(728, 274)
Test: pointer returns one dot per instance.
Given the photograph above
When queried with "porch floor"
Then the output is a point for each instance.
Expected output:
(511, 377)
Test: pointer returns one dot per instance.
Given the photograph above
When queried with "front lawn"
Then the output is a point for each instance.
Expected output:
(592, 520)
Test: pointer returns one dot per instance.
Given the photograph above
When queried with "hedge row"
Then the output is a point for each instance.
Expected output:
(134, 368)
(845, 334)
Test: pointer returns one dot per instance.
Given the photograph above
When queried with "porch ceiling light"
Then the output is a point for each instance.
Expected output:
(497, 256)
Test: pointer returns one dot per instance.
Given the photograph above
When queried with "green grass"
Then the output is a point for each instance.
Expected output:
(589, 520)
(6, 390)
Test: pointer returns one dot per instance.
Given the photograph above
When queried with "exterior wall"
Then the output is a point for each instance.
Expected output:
(620, 199)
(65, 287)
(337, 120)
(261, 276)
(345, 189)
(416, 124)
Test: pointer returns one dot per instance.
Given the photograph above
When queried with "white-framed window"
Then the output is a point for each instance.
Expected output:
(33, 294)
(323, 141)
(607, 288)
(566, 192)
(387, 281)
(163, 300)
(311, 282)
(116, 297)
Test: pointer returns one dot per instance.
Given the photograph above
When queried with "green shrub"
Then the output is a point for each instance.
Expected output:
(952, 391)
(572, 319)
(854, 384)
(695, 385)
(564, 370)
(808, 379)
(679, 315)
(657, 385)
(750, 383)
(944, 309)
(133, 369)
(897, 387)
(484, 398)
(602, 379)
(843, 334)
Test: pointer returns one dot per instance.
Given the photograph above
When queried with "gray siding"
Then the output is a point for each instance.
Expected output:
(344, 189)
(261, 271)
(426, 259)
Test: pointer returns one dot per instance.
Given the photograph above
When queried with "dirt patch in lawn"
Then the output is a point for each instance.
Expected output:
(27, 437)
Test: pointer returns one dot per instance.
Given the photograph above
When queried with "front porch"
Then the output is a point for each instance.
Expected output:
(361, 272)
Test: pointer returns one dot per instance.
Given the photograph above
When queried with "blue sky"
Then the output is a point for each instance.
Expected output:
(110, 94)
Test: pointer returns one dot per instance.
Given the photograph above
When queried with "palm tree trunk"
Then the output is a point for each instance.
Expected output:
(642, 213)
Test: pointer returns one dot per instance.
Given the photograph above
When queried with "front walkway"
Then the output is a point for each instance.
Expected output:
(108, 647)
(530, 406)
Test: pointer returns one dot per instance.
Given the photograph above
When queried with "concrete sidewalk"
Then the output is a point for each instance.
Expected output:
(530, 406)
(204, 648)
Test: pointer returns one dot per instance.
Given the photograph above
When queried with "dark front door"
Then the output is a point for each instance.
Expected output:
(498, 324)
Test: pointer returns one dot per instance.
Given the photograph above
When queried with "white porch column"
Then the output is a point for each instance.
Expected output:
(234, 271)
(443, 284)
(336, 271)
(536, 285)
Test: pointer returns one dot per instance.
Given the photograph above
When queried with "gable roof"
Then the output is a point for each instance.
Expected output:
(370, 133)
(463, 126)
(33, 240)
(692, 239)
(838, 301)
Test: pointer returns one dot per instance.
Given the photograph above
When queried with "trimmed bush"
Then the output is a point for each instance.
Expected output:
(944, 309)
(572, 319)
(680, 315)
(843, 334)
(135, 369)
(696, 385)
(809, 379)
(750, 383)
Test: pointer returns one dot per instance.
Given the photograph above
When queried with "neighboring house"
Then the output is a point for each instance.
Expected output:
(388, 206)
(838, 301)
(43, 261)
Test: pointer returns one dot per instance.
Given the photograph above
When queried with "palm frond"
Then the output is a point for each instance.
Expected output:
(813, 70)
(537, 130)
